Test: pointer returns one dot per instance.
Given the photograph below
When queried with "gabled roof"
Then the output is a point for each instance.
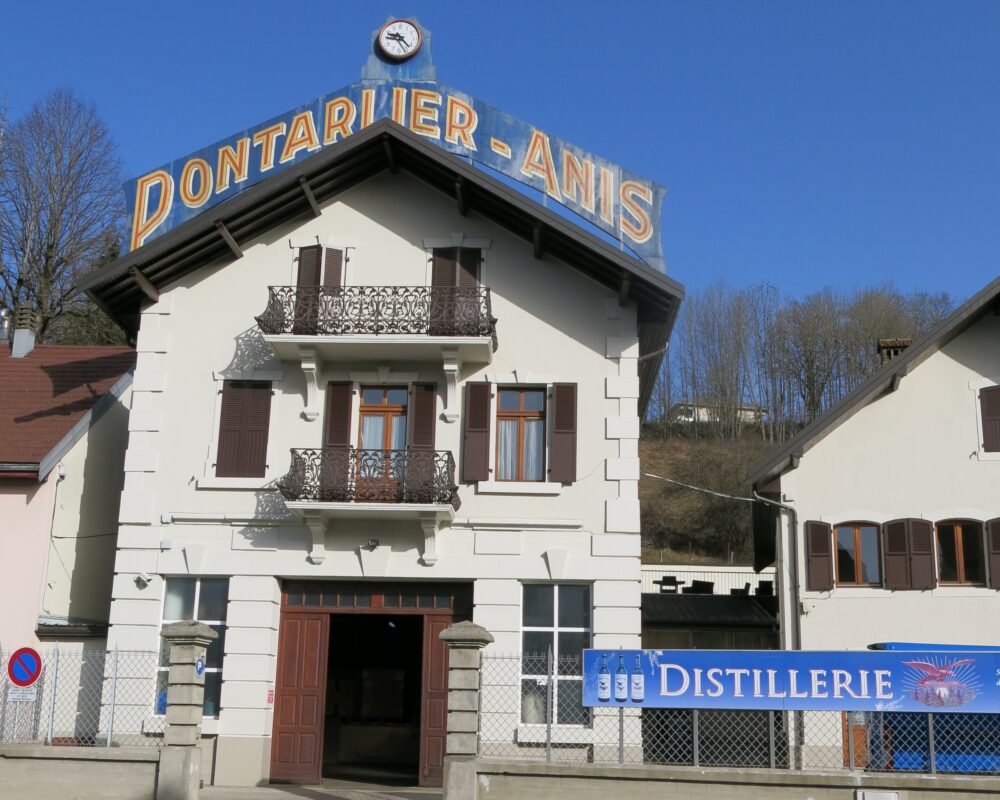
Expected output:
(384, 145)
(49, 398)
(884, 380)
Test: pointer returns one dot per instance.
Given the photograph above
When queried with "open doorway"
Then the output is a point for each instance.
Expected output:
(373, 697)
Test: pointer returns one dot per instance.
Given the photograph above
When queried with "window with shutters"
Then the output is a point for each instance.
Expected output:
(858, 561)
(520, 435)
(960, 552)
(244, 420)
(382, 428)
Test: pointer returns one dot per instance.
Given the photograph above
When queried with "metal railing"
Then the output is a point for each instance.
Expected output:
(530, 709)
(85, 699)
(724, 580)
(352, 475)
(379, 311)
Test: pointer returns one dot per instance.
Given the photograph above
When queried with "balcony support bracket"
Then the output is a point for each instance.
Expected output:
(310, 369)
(429, 523)
(452, 363)
(317, 527)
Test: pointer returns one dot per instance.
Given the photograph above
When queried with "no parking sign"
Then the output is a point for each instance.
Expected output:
(23, 669)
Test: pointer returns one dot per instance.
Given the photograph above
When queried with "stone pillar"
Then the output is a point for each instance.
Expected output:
(180, 758)
(465, 642)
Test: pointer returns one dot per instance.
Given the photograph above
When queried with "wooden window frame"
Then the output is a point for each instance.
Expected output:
(520, 416)
(858, 582)
(959, 525)
(387, 411)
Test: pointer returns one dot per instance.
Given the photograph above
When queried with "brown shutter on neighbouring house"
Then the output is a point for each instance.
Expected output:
(444, 267)
(897, 554)
(337, 431)
(468, 267)
(333, 269)
(989, 408)
(819, 557)
(420, 426)
(309, 265)
(993, 552)
(476, 435)
(921, 534)
(562, 454)
(243, 429)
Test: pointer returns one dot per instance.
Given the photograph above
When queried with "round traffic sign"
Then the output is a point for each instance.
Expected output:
(24, 666)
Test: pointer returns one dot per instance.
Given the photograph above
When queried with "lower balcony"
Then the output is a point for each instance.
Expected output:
(328, 483)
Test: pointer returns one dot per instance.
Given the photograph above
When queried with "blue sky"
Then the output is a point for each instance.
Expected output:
(802, 144)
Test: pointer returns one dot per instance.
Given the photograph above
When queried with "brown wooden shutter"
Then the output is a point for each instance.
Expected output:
(338, 415)
(243, 429)
(476, 434)
(333, 269)
(921, 544)
(309, 265)
(306, 299)
(421, 423)
(989, 408)
(562, 455)
(444, 268)
(895, 546)
(819, 557)
(993, 552)
(468, 267)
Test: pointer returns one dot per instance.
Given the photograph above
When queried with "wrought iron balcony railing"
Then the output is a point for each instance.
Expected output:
(379, 310)
(352, 475)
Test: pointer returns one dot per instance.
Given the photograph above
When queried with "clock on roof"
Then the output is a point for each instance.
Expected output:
(399, 40)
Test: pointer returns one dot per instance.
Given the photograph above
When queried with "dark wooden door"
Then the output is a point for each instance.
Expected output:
(434, 701)
(300, 699)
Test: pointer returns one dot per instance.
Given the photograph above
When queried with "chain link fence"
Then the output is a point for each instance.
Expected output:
(531, 709)
(84, 699)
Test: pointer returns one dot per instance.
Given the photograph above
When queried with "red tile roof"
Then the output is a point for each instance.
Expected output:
(44, 394)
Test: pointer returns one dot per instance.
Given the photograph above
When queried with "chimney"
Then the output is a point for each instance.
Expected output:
(888, 349)
(26, 322)
(4, 325)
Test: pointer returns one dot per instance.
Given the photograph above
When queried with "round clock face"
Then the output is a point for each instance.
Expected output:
(399, 39)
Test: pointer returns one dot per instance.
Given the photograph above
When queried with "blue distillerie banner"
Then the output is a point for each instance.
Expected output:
(953, 682)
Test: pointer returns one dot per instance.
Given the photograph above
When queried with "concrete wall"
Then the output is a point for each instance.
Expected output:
(78, 773)
(499, 780)
(176, 518)
(911, 453)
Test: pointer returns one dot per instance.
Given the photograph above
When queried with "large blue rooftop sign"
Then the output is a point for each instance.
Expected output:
(962, 682)
(619, 202)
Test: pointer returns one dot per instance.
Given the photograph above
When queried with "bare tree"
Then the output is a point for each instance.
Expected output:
(60, 212)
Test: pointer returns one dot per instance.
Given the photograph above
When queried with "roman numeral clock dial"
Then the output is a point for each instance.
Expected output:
(399, 40)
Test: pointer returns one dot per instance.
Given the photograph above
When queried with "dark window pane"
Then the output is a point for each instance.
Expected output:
(345, 600)
(371, 397)
(179, 600)
(391, 600)
(569, 704)
(425, 601)
(311, 596)
(409, 600)
(538, 605)
(534, 401)
(213, 690)
(574, 606)
(510, 400)
(533, 698)
(329, 598)
(212, 598)
(293, 594)
(947, 561)
(215, 650)
(972, 553)
(397, 397)
(571, 646)
(363, 600)
(870, 568)
(845, 555)
(535, 648)
(442, 601)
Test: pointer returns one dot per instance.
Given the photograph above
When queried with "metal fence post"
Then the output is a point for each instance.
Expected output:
(930, 743)
(114, 691)
(771, 756)
(694, 736)
(53, 695)
(850, 741)
(549, 687)
(621, 735)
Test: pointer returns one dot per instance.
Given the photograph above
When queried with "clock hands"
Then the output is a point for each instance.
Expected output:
(398, 38)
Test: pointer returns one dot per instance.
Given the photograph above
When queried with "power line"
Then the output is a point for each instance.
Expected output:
(700, 488)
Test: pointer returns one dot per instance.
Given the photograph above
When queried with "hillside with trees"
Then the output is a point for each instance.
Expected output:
(756, 366)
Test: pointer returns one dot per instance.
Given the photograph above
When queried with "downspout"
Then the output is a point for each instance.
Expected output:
(793, 548)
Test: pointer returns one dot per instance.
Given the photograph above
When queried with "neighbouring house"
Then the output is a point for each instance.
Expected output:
(377, 392)
(63, 431)
(884, 513)
(708, 412)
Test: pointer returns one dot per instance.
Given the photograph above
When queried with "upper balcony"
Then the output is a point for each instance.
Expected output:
(324, 484)
(380, 322)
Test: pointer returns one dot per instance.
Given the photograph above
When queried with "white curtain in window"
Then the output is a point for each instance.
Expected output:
(508, 450)
(534, 434)
(372, 432)
(398, 441)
